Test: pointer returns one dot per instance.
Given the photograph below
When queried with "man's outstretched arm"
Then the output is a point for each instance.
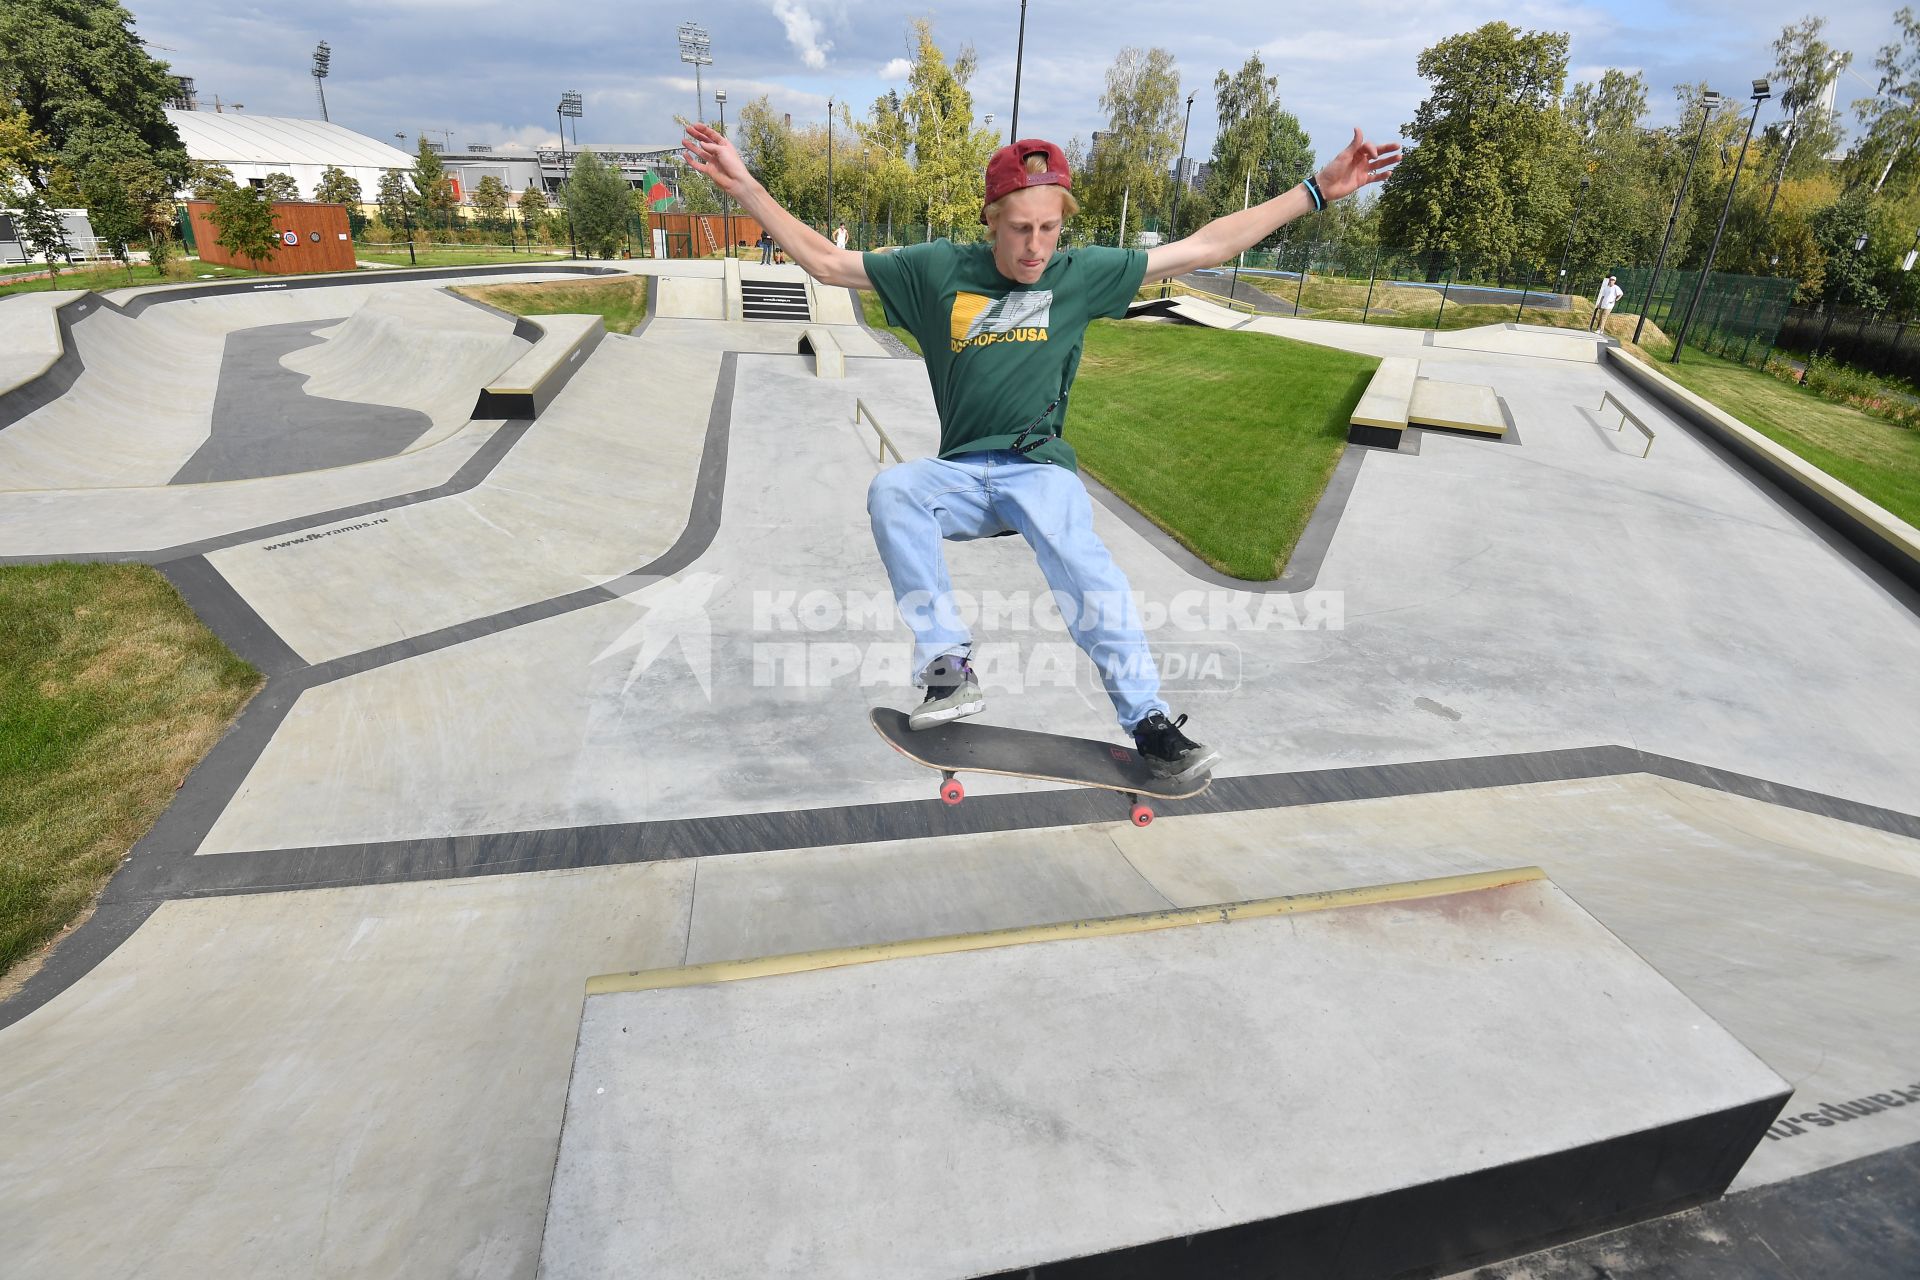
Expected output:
(1225, 237)
(709, 151)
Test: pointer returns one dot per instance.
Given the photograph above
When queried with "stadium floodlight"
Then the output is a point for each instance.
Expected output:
(697, 48)
(322, 64)
(1761, 92)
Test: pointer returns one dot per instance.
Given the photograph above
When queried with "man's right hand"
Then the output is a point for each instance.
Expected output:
(708, 150)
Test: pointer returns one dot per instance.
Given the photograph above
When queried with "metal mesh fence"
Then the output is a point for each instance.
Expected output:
(1871, 341)
(1738, 317)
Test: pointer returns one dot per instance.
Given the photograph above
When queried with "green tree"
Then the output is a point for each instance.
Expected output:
(1803, 66)
(393, 198)
(1490, 177)
(597, 199)
(766, 144)
(1621, 213)
(886, 140)
(208, 180)
(128, 202)
(281, 186)
(697, 195)
(433, 194)
(949, 152)
(87, 83)
(1892, 115)
(337, 187)
(42, 231)
(490, 202)
(23, 152)
(242, 219)
(1142, 140)
(1849, 272)
(115, 219)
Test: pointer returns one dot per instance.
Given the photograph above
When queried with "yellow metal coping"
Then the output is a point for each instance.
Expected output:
(1111, 926)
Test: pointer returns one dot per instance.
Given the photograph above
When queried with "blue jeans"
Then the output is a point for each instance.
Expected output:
(914, 505)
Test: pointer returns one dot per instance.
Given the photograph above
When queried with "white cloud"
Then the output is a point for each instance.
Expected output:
(898, 69)
(803, 32)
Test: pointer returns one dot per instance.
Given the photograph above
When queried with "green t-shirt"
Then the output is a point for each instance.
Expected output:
(998, 353)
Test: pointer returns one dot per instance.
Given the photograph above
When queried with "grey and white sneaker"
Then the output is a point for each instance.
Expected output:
(1170, 753)
(952, 692)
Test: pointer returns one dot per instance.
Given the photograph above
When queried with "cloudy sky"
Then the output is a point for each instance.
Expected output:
(491, 71)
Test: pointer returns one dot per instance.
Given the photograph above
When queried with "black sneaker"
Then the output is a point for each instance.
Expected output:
(952, 692)
(1170, 753)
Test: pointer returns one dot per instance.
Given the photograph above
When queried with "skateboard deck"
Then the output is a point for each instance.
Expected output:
(1022, 753)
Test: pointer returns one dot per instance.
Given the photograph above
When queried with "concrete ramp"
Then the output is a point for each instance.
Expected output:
(1354, 1083)
(1524, 340)
(412, 348)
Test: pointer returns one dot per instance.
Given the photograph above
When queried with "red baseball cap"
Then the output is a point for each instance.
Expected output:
(1007, 170)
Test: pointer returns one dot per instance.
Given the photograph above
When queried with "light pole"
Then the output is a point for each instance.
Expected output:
(406, 214)
(1586, 180)
(1179, 181)
(1761, 92)
(829, 168)
(1180, 170)
(1019, 57)
(696, 48)
(322, 64)
(1708, 102)
(726, 206)
(569, 106)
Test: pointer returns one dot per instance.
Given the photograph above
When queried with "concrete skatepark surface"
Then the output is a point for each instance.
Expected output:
(551, 705)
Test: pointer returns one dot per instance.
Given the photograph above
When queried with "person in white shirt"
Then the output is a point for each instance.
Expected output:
(840, 237)
(1610, 293)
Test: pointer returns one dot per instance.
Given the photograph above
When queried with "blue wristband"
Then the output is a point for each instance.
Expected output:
(1313, 190)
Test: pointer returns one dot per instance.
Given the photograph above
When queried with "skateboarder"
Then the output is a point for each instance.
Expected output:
(1002, 325)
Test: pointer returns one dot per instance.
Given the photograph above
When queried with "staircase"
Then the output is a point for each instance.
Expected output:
(774, 300)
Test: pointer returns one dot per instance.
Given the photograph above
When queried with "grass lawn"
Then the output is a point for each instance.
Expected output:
(1225, 440)
(1880, 459)
(876, 316)
(621, 301)
(110, 691)
(429, 257)
(101, 278)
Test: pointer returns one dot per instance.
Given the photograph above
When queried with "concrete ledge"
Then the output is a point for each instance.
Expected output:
(1295, 1084)
(1381, 415)
(1455, 406)
(529, 384)
(1875, 530)
(828, 360)
(734, 301)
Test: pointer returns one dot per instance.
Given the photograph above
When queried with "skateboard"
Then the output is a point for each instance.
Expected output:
(1020, 753)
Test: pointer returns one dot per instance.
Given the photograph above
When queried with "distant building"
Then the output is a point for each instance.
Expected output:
(255, 146)
(519, 168)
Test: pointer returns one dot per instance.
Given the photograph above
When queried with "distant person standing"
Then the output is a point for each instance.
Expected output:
(1610, 293)
(840, 237)
(766, 247)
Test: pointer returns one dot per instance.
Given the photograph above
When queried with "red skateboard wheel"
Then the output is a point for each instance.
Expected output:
(1142, 815)
(952, 792)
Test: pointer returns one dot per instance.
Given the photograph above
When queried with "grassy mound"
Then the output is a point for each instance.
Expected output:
(621, 300)
(1225, 440)
(110, 691)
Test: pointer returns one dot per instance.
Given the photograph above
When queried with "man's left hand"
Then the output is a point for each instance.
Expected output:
(1362, 162)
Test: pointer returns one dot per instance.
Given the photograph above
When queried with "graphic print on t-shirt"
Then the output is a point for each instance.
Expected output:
(980, 321)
